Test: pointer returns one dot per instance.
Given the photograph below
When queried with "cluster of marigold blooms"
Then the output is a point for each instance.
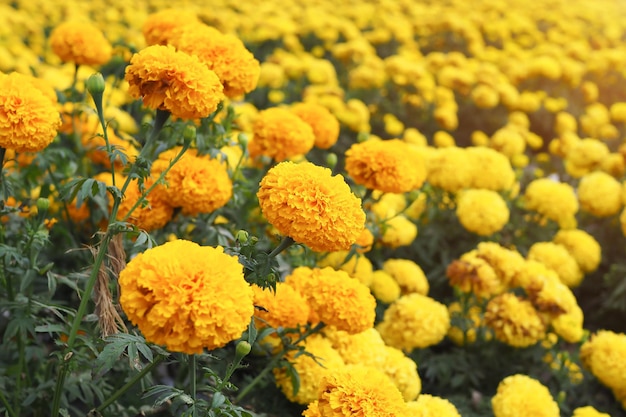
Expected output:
(188, 67)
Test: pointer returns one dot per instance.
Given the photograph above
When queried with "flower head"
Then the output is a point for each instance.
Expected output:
(398, 231)
(80, 43)
(358, 390)
(603, 354)
(174, 81)
(408, 275)
(520, 395)
(280, 134)
(384, 287)
(429, 405)
(186, 296)
(283, 308)
(554, 200)
(307, 203)
(473, 274)
(557, 258)
(588, 411)
(389, 165)
(583, 247)
(324, 124)
(159, 26)
(514, 320)
(483, 212)
(28, 119)
(414, 321)
(600, 194)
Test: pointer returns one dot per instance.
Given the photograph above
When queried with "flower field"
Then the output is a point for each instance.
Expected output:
(272, 209)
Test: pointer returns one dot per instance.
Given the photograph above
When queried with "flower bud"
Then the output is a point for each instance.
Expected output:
(243, 348)
(95, 84)
(243, 140)
(189, 133)
(42, 204)
(331, 160)
(242, 236)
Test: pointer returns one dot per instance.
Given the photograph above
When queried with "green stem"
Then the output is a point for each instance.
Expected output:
(272, 364)
(97, 99)
(130, 383)
(7, 405)
(284, 244)
(193, 384)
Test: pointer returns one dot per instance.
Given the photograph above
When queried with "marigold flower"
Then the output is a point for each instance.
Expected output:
(307, 203)
(324, 124)
(588, 411)
(159, 26)
(583, 247)
(310, 370)
(312, 410)
(514, 320)
(284, 307)
(483, 212)
(492, 171)
(186, 306)
(389, 166)
(409, 275)
(508, 264)
(359, 390)
(365, 347)
(603, 354)
(197, 184)
(398, 231)
(557, 258)
(174, 81)
(473, 274)
(600, 194)
(28, 119)
(554, 200)
(429, 405)
(384, 287)
(225, 54)
(357, 266)
(520, 395)
(280, 134)
(414, 321)
(80, 43)
(450, 169)
(402, 371)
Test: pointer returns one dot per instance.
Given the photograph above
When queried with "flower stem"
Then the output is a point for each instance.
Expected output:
(284, 244)
(6, 404)
(193, 384)
(130, 383)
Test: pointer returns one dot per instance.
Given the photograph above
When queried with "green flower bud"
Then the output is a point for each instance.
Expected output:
(43, 204)
(242, 236)
(243, 348)
(95, 84)
(331, 160)
(362, 137)
(189, 133)
(243, 140)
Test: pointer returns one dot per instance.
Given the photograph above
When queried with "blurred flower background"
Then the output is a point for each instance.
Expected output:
(368, 208)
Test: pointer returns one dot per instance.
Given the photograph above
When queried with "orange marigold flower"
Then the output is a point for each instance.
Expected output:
(280, 134)
(28, 119)
(472, 274)
(358, 390)
(325, 125)
(225, 54)
(336, 299)
(514, 320)
(307, 203)
(386, 165)
(186, 296)
(198, 184)
(159, 26)
(409, 275)
(174, 81)
(80, 43)
(283, 308)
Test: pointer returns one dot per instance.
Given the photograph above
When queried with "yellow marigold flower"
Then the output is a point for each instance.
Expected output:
(569, 325)
(186, 306)
(285, 307)
(590, 91)
(155, 215)
(429, 405)
(446, 116)
(442, 139)
(28, 119)
(520, 395)
(554, 200)
(600, 194)
(514, 320)
(336, 299)
(409, 276)
(80, 43)
(414, 321)
(384, 287)
(473, 274)
(310, 370)
(450, 169)
(365, 241)
(197, 184)
(159, 27)
(359, 390)
(174, 81)
(603, 354)
(307, 203)
(485, 96)
(385, 165)
(388, 205)
(557, 257)
(565, 122)
(414, 137)
(357, 266)
(402, 371)
(398, 231)
(312, 410)
(546, 291)
(324, 124)
(507, 263)
(584, 156)
(618, 112)
(415, 210)
(483, 212)
(225, 54)
(393, 126)
(588, 411)
(582, 246)
(365, 347)
(280, 134)
(493, 170)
